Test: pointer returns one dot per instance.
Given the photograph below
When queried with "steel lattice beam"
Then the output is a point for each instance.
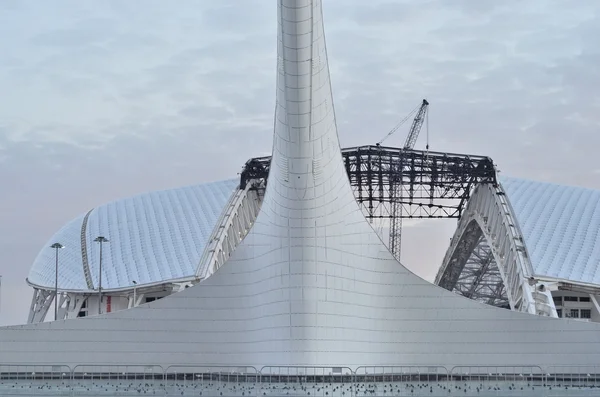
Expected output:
(434, 185)
(480, 278)
(465, 247)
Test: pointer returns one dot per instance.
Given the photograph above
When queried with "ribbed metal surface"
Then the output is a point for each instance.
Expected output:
(311, 284)
(70, 273)
(561, 226)
(153, 237)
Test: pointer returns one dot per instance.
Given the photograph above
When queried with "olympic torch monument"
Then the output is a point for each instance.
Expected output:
(311, 284)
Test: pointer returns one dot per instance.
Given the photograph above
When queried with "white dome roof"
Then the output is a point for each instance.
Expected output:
(561, 227)
(154, 237)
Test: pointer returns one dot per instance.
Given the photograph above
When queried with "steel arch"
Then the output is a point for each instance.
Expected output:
(488, 249)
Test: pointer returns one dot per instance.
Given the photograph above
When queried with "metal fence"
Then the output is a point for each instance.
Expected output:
(247, 381)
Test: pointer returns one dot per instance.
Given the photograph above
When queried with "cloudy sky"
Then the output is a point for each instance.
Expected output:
(103, 100)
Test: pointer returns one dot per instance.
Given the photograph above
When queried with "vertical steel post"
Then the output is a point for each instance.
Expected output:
(100, 239)
(56, 247)
(100, 281)
(56, 285)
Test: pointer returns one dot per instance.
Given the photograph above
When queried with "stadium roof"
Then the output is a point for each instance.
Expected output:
(154, 237)
(561, 227)
(160, 236)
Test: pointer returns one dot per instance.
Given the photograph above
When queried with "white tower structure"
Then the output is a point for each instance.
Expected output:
(311, 283)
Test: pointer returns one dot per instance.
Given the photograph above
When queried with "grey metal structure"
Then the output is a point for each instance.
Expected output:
(395, 240)
(521, 241)
(480, 278)
(164, 241)
(489, 224)
(311, 285)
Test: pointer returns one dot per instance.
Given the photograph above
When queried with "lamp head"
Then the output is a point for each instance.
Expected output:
(101, 239)
(57, 246)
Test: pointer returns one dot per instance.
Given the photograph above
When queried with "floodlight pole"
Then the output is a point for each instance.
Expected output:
(134, 293)
(100, 239)
(533, 282)
(56, 247)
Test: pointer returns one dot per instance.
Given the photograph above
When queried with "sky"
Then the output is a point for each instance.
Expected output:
(104, 100)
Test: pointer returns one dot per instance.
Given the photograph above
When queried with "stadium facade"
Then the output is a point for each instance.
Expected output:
(162, 242)
(156, 244)
(303, 279)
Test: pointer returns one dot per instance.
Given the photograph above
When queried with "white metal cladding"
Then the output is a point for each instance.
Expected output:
(561, 226)
(311, 284)
(71, 275)
(153, 237)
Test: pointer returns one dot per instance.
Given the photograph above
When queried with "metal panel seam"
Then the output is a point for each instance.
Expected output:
(84, 256)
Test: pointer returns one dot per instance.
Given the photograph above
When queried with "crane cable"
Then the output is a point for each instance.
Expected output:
(404, 120)
(427, 129)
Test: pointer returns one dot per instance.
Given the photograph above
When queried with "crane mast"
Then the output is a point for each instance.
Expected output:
(397, 190)
(415, 128)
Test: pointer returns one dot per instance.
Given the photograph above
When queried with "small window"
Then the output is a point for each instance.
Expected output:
(586, 313)
(584, 299)
(571, 299)
(557, 300)
(574, 313)
(559, 312)
(84, 304)
(150, 299)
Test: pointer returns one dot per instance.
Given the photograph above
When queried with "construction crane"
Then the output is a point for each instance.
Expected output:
(397, 127)
(415, 128)
(396, 189)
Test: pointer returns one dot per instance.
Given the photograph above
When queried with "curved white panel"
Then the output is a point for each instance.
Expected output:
(70, 273)
(561, 226)
(153, 237)
(311, 284)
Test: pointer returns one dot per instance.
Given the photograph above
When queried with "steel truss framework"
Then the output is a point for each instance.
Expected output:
(41, 303)
(480, 278)
(434, 185)
(487, 259)
(71, 303)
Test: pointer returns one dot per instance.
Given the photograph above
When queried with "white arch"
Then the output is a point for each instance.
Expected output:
(489, 214)
(234, 224)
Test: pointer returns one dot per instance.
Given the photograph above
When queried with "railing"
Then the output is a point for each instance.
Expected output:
(248, 381)
(115, 380)
(196, 380)
(36, 380)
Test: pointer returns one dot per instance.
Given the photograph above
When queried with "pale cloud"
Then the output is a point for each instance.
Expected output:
(101, 100)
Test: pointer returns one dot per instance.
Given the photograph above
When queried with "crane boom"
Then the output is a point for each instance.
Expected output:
(415, 128)
(397, 190)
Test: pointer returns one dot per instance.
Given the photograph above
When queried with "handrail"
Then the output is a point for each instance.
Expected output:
(170, 380)
(516, 369)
